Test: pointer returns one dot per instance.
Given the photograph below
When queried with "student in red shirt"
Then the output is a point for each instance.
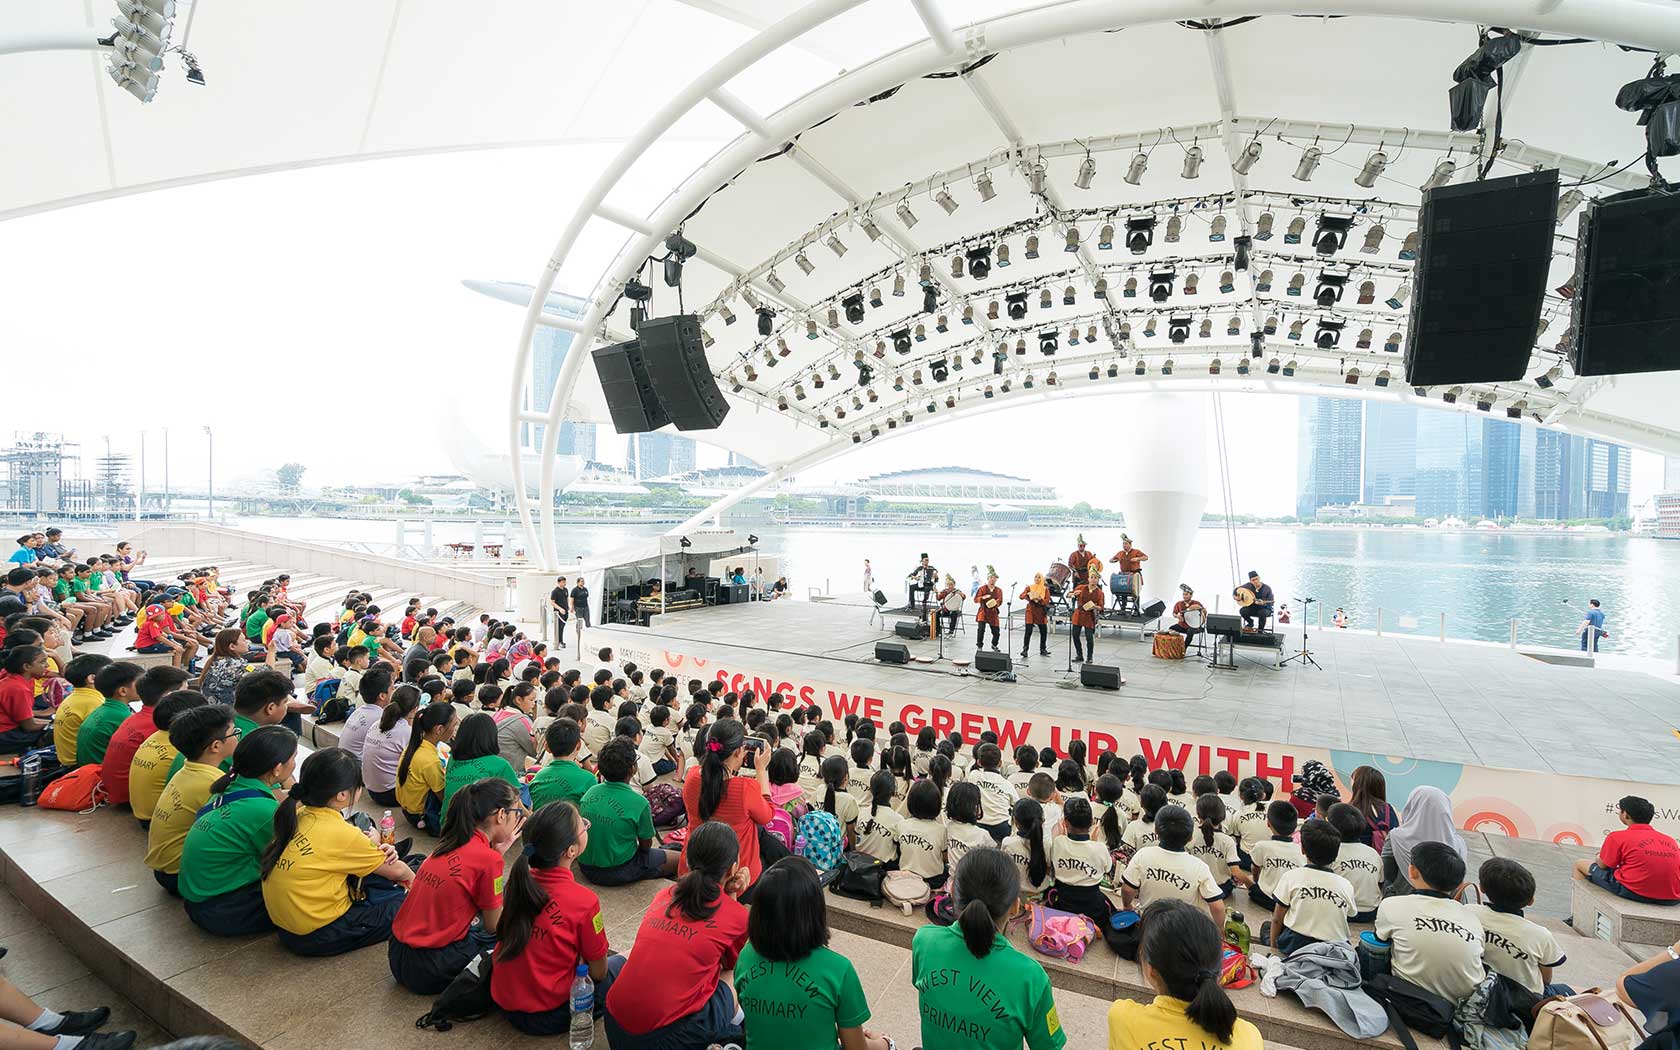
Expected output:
(550, 926)
(1639, 862)
(451, 911)
(153, 686)
(20, 730)
(713, 791)
(671, 992)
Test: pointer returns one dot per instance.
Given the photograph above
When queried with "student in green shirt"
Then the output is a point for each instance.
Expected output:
(564, 779)
(621, 846)
(221, 859)
(115, 683)
(975, 989)
(475, 755)
(792, 988)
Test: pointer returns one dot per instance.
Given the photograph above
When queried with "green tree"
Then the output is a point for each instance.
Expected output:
(290, 476)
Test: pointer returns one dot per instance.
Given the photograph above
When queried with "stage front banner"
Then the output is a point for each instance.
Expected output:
(1519, 803)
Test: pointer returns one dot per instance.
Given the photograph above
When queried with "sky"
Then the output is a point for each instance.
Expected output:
(318, 316)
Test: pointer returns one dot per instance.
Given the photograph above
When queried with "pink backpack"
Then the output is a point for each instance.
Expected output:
(1061, 934)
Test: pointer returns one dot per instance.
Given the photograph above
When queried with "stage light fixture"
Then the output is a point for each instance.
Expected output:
(1409, 246)
(1072, 239)
(1545, 379)
(1398, 299)
(799, 391)
(1442, 174)
(1140, 233)
(1161, 285)
(1002, 255)
(857, 439)
(1214, 366)
(1178, 329)
(875, 296)
(776, 284)
(1242, 245)
(1289, 369)
(1568, 202)
(1516, 409)
(1149, 327)
(1031, 250)
(1451, 396)
(975, 357)
(1392, 343)
(766, 320)
(1297, 226)
(1175, 226)
(1367, 293)
(804, 263)
(1351, 377)
(1192, 162)
(1167, 367)
(1069, 297)
(1140, 368)
(872, 395)
(1364, 340)
(1295, 330)
(1216, 228)
(1331, 233)
(1129, 291)
(980, 262)
(1105, 237)
(1242, 366)
(833, 322)
(1035, 178)
(1050, 380)
(734, 383)
(1227, 282)
(1372, 169)
(1006, 386)
(941, 325)
(956, 267)
(1206, 330)
(1296, 284)
(1095, 374)
(950, 401)
(1484, 402)
(1135, 169)
(992, 310)
(874, 431)
(898, 285)
(853, 305)
(898, 383)
(916, 377)
(1373, 239)
(678, 250)
(870, 230)
(1233, 326)
(901, 340)
(1045, 300)
(947, 202)
(835, 246)
(810, 329)
(1256, 345)
(1047, 343)
(1087, 172)
(1272, 366)
(1091, 333)
(751, 373)
(1247, 158)
(1191, 283)
(1329, 290)
(989, 393)
(892, 422)
(781, 403)
(930, 299)
(1383, 377)
(1269, 326)
(1263, 226)
(983, 186)
(905, 215)
(920, 333)
(706, 339)
(1308, 163)
(968, 314)
(1100, 289)
(1020, 346)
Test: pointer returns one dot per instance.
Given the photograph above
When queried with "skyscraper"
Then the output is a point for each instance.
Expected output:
(1502, 471)
(1609, 477)
(658, 454)
(1390, 451)
(549, 347)
(1328, 460)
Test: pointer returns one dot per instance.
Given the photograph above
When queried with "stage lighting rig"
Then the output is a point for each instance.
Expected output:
(1161, 285)
(1017, 304)
(1140, 234)
(1329, 290)
(1331, 233)
(1178, 329)
(1047, 343)
(853, 305)
(1329, 336)
(901, 340)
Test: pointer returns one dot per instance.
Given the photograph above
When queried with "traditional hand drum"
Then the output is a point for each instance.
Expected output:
(1169, 645)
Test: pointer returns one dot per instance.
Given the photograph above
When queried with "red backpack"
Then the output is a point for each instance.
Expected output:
(79, 791)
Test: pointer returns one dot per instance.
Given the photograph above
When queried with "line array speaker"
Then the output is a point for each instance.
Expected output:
(1626, 314)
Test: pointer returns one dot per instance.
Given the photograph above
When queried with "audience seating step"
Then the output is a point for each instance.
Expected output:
(1597, 912)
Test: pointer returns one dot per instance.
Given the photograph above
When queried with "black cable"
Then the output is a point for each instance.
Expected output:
(1498, 124)
(1614, 170)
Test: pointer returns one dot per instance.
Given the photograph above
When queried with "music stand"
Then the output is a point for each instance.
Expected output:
(1305, 655)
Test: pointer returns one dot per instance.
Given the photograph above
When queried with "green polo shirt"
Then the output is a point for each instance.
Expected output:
(993, 1002)
(223, 849)
(561, 780)
(462, 772)
(619, 818)
(95, 735)
(798, 1003)
(254, 625)
(81, 585)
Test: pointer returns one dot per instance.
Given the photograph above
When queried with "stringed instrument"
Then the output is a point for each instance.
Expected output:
(1246, 595)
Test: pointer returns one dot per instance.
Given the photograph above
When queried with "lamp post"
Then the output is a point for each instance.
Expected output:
(168, 502)
(210, 481)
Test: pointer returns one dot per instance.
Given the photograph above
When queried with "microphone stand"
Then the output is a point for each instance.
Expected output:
(1072, 627)
(1009, 624)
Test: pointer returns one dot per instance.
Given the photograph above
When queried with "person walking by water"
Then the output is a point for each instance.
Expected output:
(868, 577)
(1592, 628)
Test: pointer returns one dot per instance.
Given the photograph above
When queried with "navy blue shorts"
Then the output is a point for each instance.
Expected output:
(232, 914)
(428, 971)
(647, 863)
(1604, 878)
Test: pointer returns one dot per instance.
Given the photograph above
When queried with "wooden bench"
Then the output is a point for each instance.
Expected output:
(1597, 912)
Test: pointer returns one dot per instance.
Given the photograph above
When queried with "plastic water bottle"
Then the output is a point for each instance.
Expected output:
(30, 769)
(388, 829)
(583, 1010)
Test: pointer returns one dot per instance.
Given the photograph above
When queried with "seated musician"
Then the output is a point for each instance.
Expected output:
(1130, 560)
(1187, 600)
(654, 589)
(950, 607)
(921, 580)
(1261, 608)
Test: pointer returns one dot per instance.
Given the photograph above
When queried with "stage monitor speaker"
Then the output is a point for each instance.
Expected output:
(879, 598)
(914, 629)
(1223, 623)
(1626, 313)
(892, 652)
(676, 364)
(1484, 253)
(631, 400)
(992, 663)
(1154, 610)
(1099, 676)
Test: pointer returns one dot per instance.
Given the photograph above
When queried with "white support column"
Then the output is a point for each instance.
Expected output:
(1162, 488)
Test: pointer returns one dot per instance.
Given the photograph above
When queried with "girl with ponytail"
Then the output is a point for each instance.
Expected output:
(1180, 955)
(420, 777)
(1137, 773)
(1177, 790)
(1213, 847)
(671, 992)
(986, 893)
(532, 977)
(810, 767)
(1026, 848)
(1082, 864)
(1112, 823)
(878, 828)
(386, 742)
(450, 915)
(1248, 824)
(712, 791)
(1141, 832)
(306, 870)
(836, 773)
(221, 877)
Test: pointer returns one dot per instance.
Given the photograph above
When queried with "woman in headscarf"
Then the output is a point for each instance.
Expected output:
(1313, 782)
(1037, 596)
(1427, 817)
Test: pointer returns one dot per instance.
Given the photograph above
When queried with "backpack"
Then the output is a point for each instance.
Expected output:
(1410, 1007)
(79, 791)
(940, 910)
(860, 878)
(1589, 1021)
(1235, 971)
(1059, 934)
(1483, 1019)
(820, 840)
(905, 890)
(467, 997)
(781, 825)
(666, 802)
(1123, 932)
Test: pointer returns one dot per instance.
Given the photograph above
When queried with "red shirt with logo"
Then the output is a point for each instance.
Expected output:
(119, 753)
(567, 931)
(448, 893)
(1645, 861)
(676, 964)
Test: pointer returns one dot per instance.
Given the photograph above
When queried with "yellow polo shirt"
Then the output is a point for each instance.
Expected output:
(148, 773)
(308, 887)
(1162, 1023)
(425, 776)
(68, 721)
(172, 816)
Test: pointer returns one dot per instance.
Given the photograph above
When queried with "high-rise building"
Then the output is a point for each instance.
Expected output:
(658, 454)
(1502, 471)
(549, 347)
(1328, 460)
(1390, 451)
(1609, 479)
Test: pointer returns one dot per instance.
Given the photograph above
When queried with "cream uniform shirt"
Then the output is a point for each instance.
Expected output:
(1320, 902)
(1021, 779)
(598, 730)
(1249, 826)
(1021, 854)
(960, 838)
(857, 783)
(1138, 834)
(1517, 948)
(1362, 867)
(1162, 874)
(878, 834)
(997, 795)
(921, 847)
(1079, 862)
(1437, 943)
(1218, 857)
(1273, 858)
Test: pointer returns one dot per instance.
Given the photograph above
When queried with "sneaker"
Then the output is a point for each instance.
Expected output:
(80, 1022)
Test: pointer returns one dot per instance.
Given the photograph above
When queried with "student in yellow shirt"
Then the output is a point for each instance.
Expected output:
(78, 705)
(1180, 955)
(148, 770)
(420, 778)
(308, 869)
(205, 735)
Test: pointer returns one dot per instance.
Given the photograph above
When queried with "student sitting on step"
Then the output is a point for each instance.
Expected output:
(116, 683)
(474, 755)
(1164, 871)
(1141, 832)
(622, 845)
(135, 730)
(1080, 864)
(74, 709)
(1313, 902)
(877, 827)
(1522, 950)
(1028, 849)
(1638, 863)
(205, 736)
(1180, 956)
(922, 836)
(1213, 847)
(150, 768)
(962, 824)
(420, 778)
(387, 742)
(1437, 942)
(453, 907)
(1356, 861)
(997, 794)
(306, 870)
(1246, 821)
(374, 689)
(1275, 856)
(221, 858)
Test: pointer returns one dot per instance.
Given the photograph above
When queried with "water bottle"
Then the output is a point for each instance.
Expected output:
(30, 768)
(583, 1010)
(388, 829)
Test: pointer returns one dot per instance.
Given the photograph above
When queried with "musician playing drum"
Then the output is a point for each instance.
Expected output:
(1131, 562)
(1088, 601)
(1037, 596)
(1187, 603)
(986, 602)
(1259, 608)
(1080, 561)
(921, 579)
(950, 607)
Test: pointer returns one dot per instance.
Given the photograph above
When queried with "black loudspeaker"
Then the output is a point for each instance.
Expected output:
(892, 652)
(676, 364)
(635, 408)
(1154, 610)
(992, 663)
(1100, 676)
(1484, 253)
(879, 598)
(1626, 314)
(915, 629)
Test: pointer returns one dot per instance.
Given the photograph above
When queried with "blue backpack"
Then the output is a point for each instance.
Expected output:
(820, 840)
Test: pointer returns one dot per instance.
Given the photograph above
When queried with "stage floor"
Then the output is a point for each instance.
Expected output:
(1455, 702)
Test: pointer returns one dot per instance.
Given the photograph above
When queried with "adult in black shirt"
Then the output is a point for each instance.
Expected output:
(1261, 609)
(580, 603)
(557, 600)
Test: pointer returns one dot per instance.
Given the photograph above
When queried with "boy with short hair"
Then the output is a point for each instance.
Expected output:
(75, 708)
(1313, 902)
(374, 688)
(659, 742)
(155, 759)
(621, 846)
(1638, 863)
(1356, 862)
(261, 699)
(563, 779)
(355, 660)
(1272, 858)
(116, 683)
(205, 735)
(153, 686)
(1436, 941)
(1524, 951)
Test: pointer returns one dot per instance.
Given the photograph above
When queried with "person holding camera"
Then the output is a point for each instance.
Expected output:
(713, 791)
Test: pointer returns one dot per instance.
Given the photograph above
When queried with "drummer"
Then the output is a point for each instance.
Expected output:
(1130, 560)
(1187, 601)
(950, 607)
(1080, 562)
(1037, 596)
(987, 598)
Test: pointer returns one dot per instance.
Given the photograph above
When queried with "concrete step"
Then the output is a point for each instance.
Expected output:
(1599, 913)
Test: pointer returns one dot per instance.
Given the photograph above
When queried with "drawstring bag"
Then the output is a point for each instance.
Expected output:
(1059, 934)
(79, 791)
(467, 997)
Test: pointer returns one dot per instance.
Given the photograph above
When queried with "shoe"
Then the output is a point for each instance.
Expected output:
(80, 1022)
(78, 638)
(107, 1041)
(1044, 652)
(994, 648)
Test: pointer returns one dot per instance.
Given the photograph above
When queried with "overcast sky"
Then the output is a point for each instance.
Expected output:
(318, 316)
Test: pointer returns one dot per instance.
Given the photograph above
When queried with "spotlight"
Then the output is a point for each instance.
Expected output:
(1383, 377)
(1420, 391)
(1451, 396)
(998, 360)
(1100, 289)
(1105, 236)
(803, 261)
(833, 322)
(901, 340)
(989, 392)
(799, 391)
(857, 439)
(1134, 171)
(1263, 226)
(874, 431)
(1140, 233)
(1068, 296)
(195, 75)
(1044, 299)
(930, 299)
(1213, 367)
(1216, 229)
(1392, 343)
(1192, 162)
(1515, 409)
(1351, 377)
(1373, 239)
(968, 314)
(916, 377)
(853, 305)
(905, 215)
(1206, 331)
(1130, 290)
(835, 246)
(1174, 225)
(956, 267)
(1003, 255)
(1398, 299)
(734, 383)
(920, 333)
(1484, 402)
(1308, 163)
(1568, 202)
(1141, 368)
(983, 185)
(1545, 379)
(1329, 290)
(1364, 340)
(1166, 367)
(944, 199)
(1297, 226)
(1191, 282)
(781, 403)
(951, 401)
(875, 296)
(980, 262)
(1178, 329)
(1272, 366)
(766, 320)
(1374, 165)
(1072, 239)
(775, 282)
(1050, 380)
(942, 325)
(1091, 333)
(1247, 158)
(1087, 172)
(1006, 385)
(1095, 374)
(1296, 283)
(1047, 343)
(1227, 282)
(1409, 246)
(1442, 175)
(1017, 302)
(898, 285)
(685, 543)
(870, 230)
(810, 329)
(1031, 251)
(1233, 326)
(1331, 234)
(1289, 368)
(1035, 179)
(1242, 367)
(1161, 285)
(1295, 330)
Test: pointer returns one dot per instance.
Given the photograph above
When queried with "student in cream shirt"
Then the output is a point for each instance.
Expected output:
(1079, 861)
(1313, 902)
(598, 728)
(878, 832)
(1275, 856)
(1436, 941)
(962, 809)
(921, 836)
(658, 742)
(1524, 951)
(1220, 855)
(1356, 862)
(997, 794)
(1166, 872)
